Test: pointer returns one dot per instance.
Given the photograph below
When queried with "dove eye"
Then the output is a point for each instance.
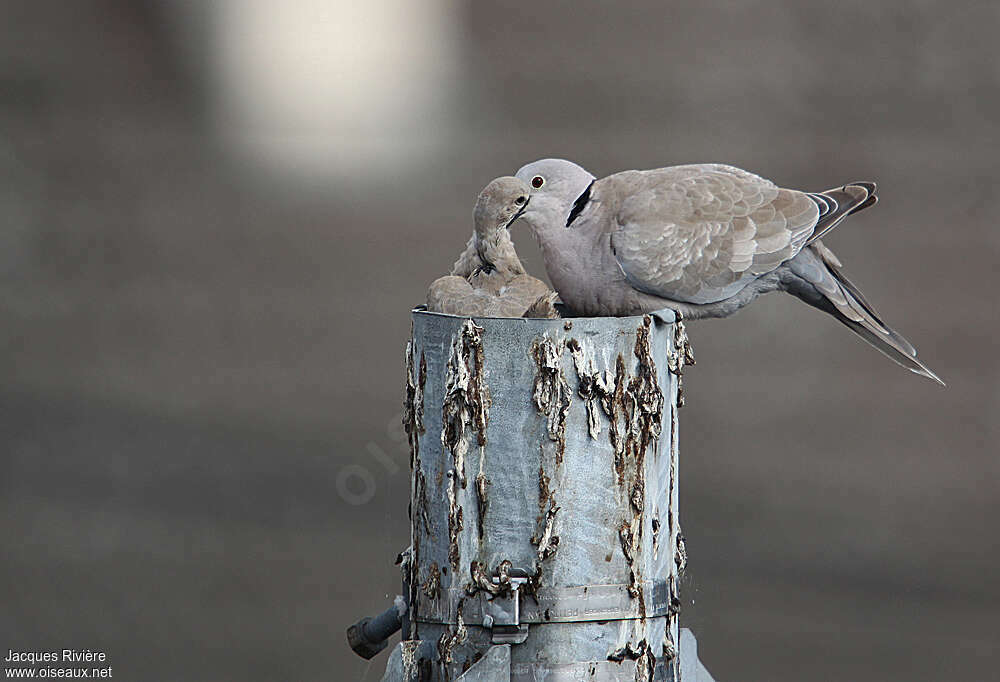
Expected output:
(537, 181)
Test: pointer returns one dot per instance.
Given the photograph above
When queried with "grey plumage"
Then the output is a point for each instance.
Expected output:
(702, 239)
(488, 279)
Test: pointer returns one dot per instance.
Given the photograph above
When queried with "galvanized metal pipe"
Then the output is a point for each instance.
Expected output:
(544, 505)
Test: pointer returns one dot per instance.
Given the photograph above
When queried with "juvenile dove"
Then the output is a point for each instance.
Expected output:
(488, 279)
(702, 239)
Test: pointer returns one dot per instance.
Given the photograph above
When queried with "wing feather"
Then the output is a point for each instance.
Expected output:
(700, 232)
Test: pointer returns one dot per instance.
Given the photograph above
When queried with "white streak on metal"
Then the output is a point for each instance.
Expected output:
(466, 398)
(548, 543)
(551, 392)
(591, 387)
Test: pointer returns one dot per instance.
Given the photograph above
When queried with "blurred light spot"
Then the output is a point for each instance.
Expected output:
(329, 86)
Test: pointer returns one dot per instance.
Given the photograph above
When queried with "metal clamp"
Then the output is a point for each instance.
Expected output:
(577, 604)
(502, 614)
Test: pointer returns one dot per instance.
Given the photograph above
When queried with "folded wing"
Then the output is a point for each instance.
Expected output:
(699, 233)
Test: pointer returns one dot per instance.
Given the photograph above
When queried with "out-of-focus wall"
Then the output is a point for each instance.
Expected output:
(214, 218)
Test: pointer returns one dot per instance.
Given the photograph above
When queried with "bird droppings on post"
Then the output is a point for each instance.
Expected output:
(414, 666)
(646, 389)
(482, 484)
(545, 542)
(408, 569)
(534, 581)
(503, 575)
(465, 407)
(481, 581)
(432, 586)
(418, 505)
(450, 639)
(639, 402)
(681, 555)
(655, 527)
(669, 650)
(644, 664)
(420, 494)
(411, 566)
(455, 521)
(628, 546)
(613, 404)
(551, 392)
(545, 496)
(591, 388)
(466, 400)
(419, 514)
(644, 659)
(413, 401)
(630, 532)
(673, 464)
(638, 493)
(680, 356)
(548, 543)
(634, 409)
(413, 425)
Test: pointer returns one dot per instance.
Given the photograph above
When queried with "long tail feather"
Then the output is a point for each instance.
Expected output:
(814, 277)
(891, 347)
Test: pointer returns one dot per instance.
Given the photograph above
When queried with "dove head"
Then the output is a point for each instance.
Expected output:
(555, 185)
(499, 204)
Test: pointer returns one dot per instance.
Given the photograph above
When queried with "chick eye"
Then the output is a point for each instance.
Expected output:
(520, 200)
(537, 181)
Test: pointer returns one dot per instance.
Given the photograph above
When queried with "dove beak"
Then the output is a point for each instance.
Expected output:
(518, 214)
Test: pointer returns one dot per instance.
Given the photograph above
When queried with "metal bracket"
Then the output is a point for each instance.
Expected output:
(502, 614)
(577, 604)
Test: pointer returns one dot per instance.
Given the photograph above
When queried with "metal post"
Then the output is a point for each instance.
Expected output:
(545, 542)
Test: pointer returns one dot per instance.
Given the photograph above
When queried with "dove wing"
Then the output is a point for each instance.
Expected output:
(699, 233)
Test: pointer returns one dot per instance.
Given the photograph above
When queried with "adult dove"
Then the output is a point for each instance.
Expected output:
(702, 239)
(488, 278)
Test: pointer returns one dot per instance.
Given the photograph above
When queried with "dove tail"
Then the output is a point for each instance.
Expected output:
(836, 204)
(815, 278)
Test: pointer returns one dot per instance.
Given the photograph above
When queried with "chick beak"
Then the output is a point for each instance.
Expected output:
(519, 213)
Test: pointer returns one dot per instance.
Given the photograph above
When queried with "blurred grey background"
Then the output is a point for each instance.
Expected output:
(215, 216)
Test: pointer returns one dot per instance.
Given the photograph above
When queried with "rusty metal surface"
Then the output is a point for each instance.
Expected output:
(544, 452)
